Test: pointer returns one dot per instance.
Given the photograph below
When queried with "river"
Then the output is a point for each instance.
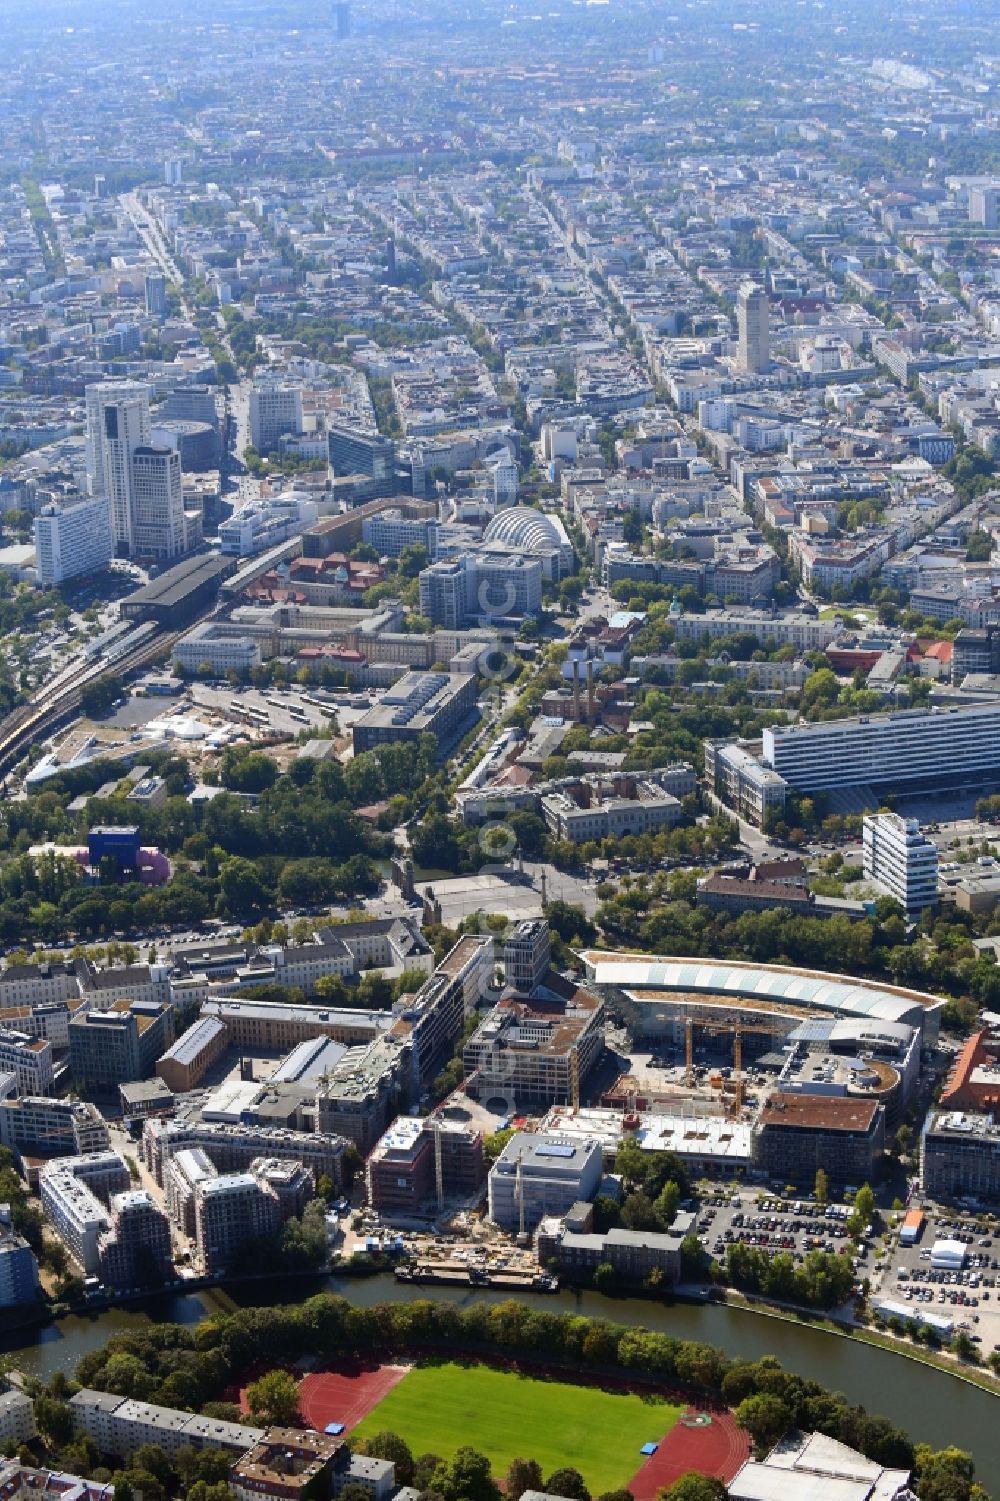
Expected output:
(931, 1405)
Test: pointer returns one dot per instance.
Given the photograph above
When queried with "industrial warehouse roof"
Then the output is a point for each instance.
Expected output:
(772, 986)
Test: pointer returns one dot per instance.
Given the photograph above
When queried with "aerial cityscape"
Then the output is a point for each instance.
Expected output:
(500, 751)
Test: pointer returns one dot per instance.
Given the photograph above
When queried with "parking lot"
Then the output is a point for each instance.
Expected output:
(282, 710)
(969, 1296)
(775, 1225)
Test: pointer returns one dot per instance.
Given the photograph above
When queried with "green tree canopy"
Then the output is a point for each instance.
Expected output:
(274, 1397)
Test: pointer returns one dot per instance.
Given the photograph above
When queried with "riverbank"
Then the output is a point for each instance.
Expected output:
(687, 1293)
(914, 1393)
(941, 1360)
(222, 1353)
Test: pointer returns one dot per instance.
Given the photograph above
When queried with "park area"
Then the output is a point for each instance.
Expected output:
(504, 1415)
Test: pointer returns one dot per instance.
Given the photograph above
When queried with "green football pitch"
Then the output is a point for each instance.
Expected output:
(437, 1408)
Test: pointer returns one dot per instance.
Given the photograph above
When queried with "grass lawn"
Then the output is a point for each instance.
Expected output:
(865, 613)
(437, 1408)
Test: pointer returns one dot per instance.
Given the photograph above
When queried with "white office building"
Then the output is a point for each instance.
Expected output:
(901, 860)
(261, 524)
(117, 424)
(537, 1175)
(157, 502)
(813, 1467)
(275, 409)
(961, 745)
(736, 776)
(488, 584)
(390, 531)
(984, 205)
(752, 315)
(72, 539)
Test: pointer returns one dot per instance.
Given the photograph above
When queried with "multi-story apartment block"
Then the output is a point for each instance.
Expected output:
(842, 562)
(72, 538)
(231, 1211)
(120, 1424)
(901, 860)
(402, 1170)
(75, 1193)
(182, 1173)
(18, 1267)
(135, 1250)
(221, 1212)
(17, 1423)
(288, 1464)
(802, 631)
(235, 1148)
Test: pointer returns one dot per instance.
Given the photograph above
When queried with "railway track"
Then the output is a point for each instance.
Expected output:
(37, 720)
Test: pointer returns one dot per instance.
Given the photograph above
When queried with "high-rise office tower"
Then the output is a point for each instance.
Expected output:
(343, 20)
(275, 409)
(984, 205)
(752, 321)
(172, 172)
(157, 502)
(117, 424)
(156, 294)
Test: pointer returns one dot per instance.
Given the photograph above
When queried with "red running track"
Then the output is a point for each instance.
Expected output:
(718, 1449)
(348, 1394)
